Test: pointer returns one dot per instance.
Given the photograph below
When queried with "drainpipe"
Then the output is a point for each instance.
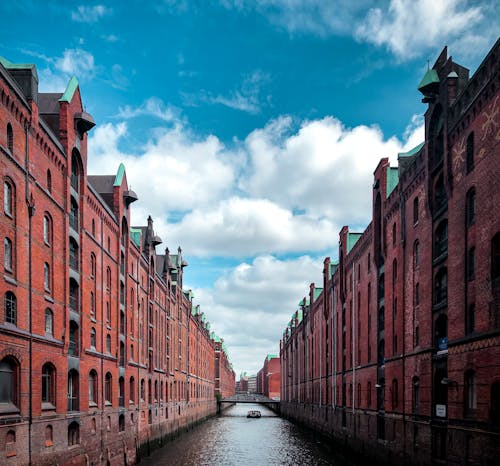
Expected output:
(334, 349)
(101, 397)
(320, 354)
(31, 212)
(353, 346)
(403, 316)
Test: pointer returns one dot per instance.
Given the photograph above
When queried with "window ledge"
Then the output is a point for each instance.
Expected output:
(47, 406)
(8, 408)
(92, 404)
(49, 299)
(108, 403)
(10, 280)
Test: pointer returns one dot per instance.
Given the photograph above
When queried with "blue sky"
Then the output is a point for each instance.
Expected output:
(249, 128)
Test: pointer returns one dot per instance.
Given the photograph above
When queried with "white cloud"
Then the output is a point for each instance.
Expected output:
(90, 14)
(246, 98)
(408, 27)
(151, 107)
(251, 304)
(76, 62)
(239, 227)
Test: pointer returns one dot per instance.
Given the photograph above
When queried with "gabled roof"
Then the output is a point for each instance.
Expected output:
(430, 77)
(412, 152)
(352, 239)
(392, 180)
(316, 293)
(70, 90)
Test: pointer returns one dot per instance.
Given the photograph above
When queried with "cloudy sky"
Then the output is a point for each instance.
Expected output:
(250, 129)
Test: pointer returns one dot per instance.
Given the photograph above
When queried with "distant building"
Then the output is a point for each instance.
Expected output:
(269, 377)
(252, 383)
(398, 352)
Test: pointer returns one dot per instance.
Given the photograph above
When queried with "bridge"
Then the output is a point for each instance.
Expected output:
(251, 398)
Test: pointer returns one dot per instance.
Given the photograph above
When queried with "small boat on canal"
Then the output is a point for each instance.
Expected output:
(253, 414)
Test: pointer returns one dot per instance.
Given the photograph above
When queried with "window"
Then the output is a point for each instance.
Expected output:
(417, 294)
(470, 320)
(441, 239)
(73, 434)
(73, 214)
(121, 423)
(108, 278)
(49, 438)
(142, 390)
(93, 388)
(73, 339)
(74, 262)
(92, 304)
(92, 338)
(121, 392)
(132, 390)
(470, 207)
(495, 404)
(470, 153)
(108, 393)
(416, 254)
(93, 227)
(8, 198)
(108, 344)
(495, 257)
(471, 263)
(9, 383)
(48, 386)
(441, 333)
(74, 296)
(73, 390)
(10, 444)
(92, 265)
(394, 394)
(46, 277)
(369, 395)
(47, 230)
(394, 234)
(121, 361)
(440, 197)
(108, 313)
(49, 322)
(10, 305)
(470, 400)
(415, 210)
(415, 402)
(49, 181)
(10, 138)
(441, 286)
(369, 262)
(75, 171)
(7, 257)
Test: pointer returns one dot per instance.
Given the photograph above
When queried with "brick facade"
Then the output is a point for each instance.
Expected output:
(397, 353)
(269, 377)
(102, 354)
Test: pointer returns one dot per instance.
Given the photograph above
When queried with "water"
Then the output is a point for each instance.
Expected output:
(233, 439)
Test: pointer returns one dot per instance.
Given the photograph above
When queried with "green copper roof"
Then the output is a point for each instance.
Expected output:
(70, 90)
(271, 356)
(392, 179)
(430, 77)
(352, 239)
(332, 268)
(411, 152)
(119, 175)
(135, 234)
(15, 66)
(316, 293)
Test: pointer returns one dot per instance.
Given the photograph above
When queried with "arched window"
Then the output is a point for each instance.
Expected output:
(47, 230)
(415, 402)
(92, 265)
(470, 397)
(495, 258)
(441, 239)
(10, 138)
(381, 319)
(49, 181)
(108, 312)
(108, 388)
(394, 394)
(471, 263)
(369, 395)
(9, 383)
(73, 434)
(48, 386)
(150, 392)
(417, 294)
(121, 423)
(108, 278)
(92, 338)
(74, 261)
(156, 390)
(49, 322)
(416, 254)
(122, 354)
(470, 207)
(436, 139)
(73, 348)
(92, 304)
(108, 343)
(46, 277)
(10, 308)
(415, 210)
(49, 437)
(359, 395)
(8, 198)
(440, 197)
(381, 352)
(7, 255)
(93, 388)
(93, 227)
(394, 272)
(132, 390)
(73, 391)
(75, 171)
(441, 286)
(470, 152)
(142, 390)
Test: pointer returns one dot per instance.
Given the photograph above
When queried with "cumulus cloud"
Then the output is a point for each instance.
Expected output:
(76, 62)
(407, 27)
(251, 304)
(90, 14)
(151, 107)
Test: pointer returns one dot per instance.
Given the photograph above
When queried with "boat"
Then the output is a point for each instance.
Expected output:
(253, 414)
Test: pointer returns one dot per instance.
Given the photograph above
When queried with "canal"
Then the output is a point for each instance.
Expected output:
(233, 439)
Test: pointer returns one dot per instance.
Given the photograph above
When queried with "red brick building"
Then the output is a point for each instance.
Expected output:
(269, 377)
(101, 354)
(224, 373)
(398, 352)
